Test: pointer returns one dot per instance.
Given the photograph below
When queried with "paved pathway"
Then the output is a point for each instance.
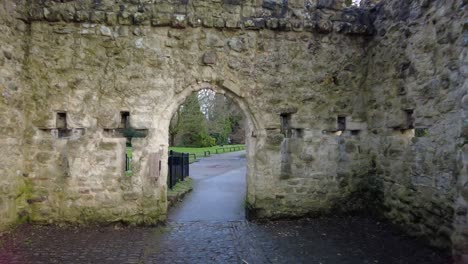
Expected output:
(204, 230)
(219, 190)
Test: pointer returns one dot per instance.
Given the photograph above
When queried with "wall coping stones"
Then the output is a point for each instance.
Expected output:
(270, 15)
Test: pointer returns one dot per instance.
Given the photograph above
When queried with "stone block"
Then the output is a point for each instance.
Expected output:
(232, 2)
(237, 44)
(396, 119)
(195, 21)
(51, 15)
(297, 25)
(218, 22)
(275, 139)
(108, 146)
(111, 18)
(36, 13)
(272, 23)
(254, 23)
(97, 17)
(141, 18)
(233, 87)
(354, 125)
(324, 26)
(179, 21)
(209, 58)
(125, 18)
(296, 3)
(105, 31)
(326, 3)
(208, 22)
(465, 102)
(164, 8)
(232, 23)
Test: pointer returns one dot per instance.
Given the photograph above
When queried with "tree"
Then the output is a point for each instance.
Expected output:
(174, 127)
(206, 117)
(223, 117)
(190, 124)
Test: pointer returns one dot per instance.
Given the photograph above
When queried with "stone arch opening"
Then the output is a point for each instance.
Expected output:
(252, 128)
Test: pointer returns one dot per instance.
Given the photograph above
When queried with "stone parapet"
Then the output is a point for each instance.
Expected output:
(313, 16)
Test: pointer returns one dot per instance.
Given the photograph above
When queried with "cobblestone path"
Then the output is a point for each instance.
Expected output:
(221, 236)
(323, 240)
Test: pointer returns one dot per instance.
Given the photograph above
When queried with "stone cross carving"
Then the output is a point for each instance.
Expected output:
(62, 125)
(125, 130)
(61, 129)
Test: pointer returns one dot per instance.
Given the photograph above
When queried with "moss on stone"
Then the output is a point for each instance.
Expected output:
(100, 216)
(23, 193)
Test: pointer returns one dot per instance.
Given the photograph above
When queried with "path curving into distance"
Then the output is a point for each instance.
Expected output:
(219, 189)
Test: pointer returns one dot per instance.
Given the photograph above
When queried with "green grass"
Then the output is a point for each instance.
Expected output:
(129, 152)
(129, 173)
(179, 190)
(199, 152)
(180, 187)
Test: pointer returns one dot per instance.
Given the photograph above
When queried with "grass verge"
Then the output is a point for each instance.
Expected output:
(179, 191)
(199, 152)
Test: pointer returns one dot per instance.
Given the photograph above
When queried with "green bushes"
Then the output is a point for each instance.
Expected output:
(197, 140)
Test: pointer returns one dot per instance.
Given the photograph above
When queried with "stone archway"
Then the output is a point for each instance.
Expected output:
(252, 127)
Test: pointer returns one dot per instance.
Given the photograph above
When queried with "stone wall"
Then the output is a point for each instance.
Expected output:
(415, 82)
(312, 15)
(94, 71)
(13, 191)
(347, 108)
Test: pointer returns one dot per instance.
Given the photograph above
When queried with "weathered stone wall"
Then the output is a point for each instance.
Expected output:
(415, 81)
(297, 15)
(13, 192)
(347, 107)
(95, 69)
(148, 71)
